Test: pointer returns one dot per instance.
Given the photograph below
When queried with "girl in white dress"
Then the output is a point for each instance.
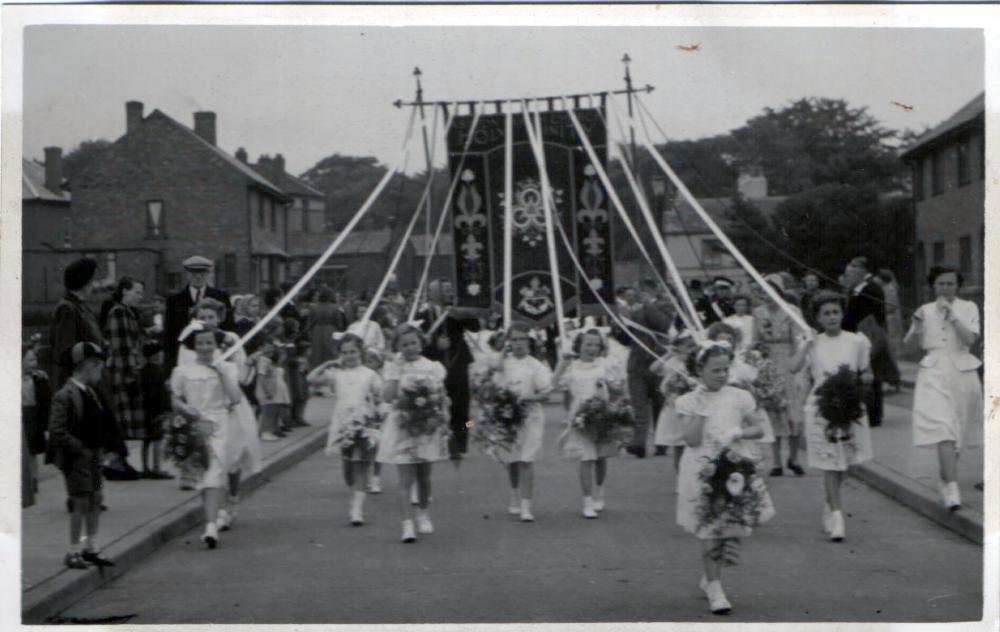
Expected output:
(205, 392)
(676, 382)
(823, 355)
(530, 380)
(369, 331)
(413, 455)
(742, 374)
(358, 391)
(243, 427)
(948, 402)
(742, 320)
(715, 416)
(583, 377)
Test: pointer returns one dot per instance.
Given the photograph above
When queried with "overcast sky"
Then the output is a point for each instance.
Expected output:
(308, 92)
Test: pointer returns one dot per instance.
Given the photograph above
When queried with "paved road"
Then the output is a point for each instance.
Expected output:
(293, 558)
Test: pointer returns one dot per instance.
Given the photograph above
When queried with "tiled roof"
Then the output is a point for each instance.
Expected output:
(33, 184)
(359, 242)
(965, 115)
(245, 169)
(421, 243)
(287, 182)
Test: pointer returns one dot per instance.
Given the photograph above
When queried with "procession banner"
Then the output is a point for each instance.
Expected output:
(581, 207)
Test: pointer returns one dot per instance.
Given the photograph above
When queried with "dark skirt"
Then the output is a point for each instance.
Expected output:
(33, 426)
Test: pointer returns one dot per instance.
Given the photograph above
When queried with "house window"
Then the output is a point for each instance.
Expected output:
(305, 214)
(272, 211)
(229, 270)
(965, 256)
(264, 273)
(918, 179)
(154, 219)
(256, 209)
(964, 150)
(938, 252)
(937, 173)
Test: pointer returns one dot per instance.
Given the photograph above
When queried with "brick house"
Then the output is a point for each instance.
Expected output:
(169, 189)
(45, 206)
(359, 264)
(948, 170)
(307, 213)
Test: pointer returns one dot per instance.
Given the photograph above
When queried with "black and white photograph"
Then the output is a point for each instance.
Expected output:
(499, 315)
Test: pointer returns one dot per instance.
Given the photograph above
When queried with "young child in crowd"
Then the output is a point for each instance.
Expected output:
(358, 391)
(587, 373)
(414, 455)
(81, 427)
(676, 382)
(375, 361)
(272, 391)
(715, 416)
(157, 408)
(296, 370)
(36, 398)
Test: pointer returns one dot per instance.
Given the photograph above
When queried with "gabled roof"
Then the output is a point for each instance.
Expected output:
(244, 169)
(358, 242)
(421, 244)
(33, 184)
(964, 117)
(287, 182)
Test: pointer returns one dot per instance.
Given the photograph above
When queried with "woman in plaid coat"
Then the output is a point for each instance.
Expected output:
(125, 360)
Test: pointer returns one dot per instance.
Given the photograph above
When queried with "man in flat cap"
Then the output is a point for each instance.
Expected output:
(718, 306)
(73, 321)
(178, 312)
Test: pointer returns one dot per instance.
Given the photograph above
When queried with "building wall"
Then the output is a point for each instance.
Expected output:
(695, 260)
(45, 222)
(204, 202)
(945, 218)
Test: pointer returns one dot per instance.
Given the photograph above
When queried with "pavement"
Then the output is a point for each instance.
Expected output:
(144, 516)
(293, 558)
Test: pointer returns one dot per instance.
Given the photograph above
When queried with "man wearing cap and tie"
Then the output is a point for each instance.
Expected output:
(718, 306)
(178, 312)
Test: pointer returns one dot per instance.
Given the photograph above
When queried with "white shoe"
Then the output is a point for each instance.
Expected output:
(514, 508)
(375, 485)
(599, 500)
(588, 508)
(409, 535)
(827, 512)
(224, 520)
(269, 436)
(424, 524)
(954, 497)
(837, 526)
(211, 535)
(357, 519)
(525, 511)
(717, 601)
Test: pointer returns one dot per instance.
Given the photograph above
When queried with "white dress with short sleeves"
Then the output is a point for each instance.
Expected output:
(669, 431)
(395, 445)
(527, 377)
(827, 355)
(584, 380)
(724, 410)
(200, 387)
(357, 391)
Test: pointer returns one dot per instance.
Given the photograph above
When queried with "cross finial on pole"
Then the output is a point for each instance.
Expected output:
(628, 91)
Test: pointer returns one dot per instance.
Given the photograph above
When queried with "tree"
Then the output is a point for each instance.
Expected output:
(755, 235)
(83, 155)
(817, 141)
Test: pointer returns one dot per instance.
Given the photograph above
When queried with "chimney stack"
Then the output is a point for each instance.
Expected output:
(204, 126)
(278, 165)
(241, 155)
(751, 183)
(53, 169)
(133, 115)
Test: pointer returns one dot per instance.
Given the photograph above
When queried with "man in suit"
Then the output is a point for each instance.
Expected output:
(866, 315)
(178, 312)
(652, 317)
(717, 306)
(447, 345)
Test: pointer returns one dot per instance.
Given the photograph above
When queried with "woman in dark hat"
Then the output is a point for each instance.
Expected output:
(73, 321)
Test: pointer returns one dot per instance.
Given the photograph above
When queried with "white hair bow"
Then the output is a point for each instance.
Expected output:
(193, 326)
(705, 345)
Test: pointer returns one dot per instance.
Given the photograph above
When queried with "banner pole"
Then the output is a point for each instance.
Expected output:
(508, 217)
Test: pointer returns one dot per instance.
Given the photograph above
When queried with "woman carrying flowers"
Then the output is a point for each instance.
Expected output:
(531, 382)
(836, 425)
(354, 425)
(588, 378)
(721, 498)
(415, 433)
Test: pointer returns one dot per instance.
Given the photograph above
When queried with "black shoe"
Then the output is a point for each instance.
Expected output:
(74, 560)
(661, 450)
(157, 475)
(96, 559)
(980, 486)
(777, 471)
(187, 488)
(796, 468)
(636, 451)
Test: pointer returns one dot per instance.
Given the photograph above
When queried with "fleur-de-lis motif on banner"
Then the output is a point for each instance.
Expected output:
(591, 199)
(469, 203)
(594, 243)
(471, 248)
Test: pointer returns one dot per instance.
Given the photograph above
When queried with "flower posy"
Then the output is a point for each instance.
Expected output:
(839, 401)
(421, 407)
(185, 445)
(503, 413)
(360, 430)
(732, 493)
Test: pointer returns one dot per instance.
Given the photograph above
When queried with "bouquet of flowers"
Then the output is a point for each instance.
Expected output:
(733, 495)
(839, 399)
(604, 419)
(360, 431)
(676, 384)
(185, 443)
(421, 407)
(767, 389)
(503, 413)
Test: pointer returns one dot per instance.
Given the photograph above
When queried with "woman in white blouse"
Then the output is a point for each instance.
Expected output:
(948, 403)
